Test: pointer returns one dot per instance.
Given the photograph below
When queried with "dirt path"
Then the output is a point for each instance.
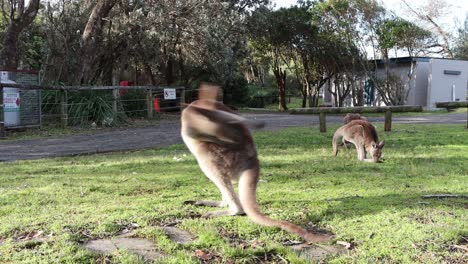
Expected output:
(168, 133)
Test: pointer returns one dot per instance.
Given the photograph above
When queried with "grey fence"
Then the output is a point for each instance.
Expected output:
(78, 105)
(21, 108)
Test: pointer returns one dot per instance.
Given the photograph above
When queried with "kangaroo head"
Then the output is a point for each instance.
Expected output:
(376, 150)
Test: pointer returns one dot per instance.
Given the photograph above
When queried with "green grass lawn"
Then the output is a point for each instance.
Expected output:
(376, 207)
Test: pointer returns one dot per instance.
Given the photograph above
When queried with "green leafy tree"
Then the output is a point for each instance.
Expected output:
(461, 42)
(17, 17)
(270, 34)
(398, 34)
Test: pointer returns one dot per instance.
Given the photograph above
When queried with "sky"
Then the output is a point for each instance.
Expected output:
(455, 17)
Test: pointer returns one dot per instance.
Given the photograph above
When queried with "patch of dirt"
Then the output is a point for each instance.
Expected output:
(311, 253)
(172, 221)
(127, 228)
(139, 246)
(316, 253)
(269, 257)
(207, 256)
(32, 237)
(29, 239)
(177, 235)
(461, 246)
(233, 239)
(456, 259)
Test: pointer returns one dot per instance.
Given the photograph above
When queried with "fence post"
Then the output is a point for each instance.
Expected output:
(182, 99)
(388, 121)
(2, 130)
(63, 108)
(115, 98)
(2, 124)
(323, 122)
(149, 103)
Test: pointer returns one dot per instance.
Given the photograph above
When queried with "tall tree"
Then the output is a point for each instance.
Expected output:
(92, 36)
(397, 33)
(341, 24)
(461, 42)
(18, 16)
(427, 15)
(270, 35)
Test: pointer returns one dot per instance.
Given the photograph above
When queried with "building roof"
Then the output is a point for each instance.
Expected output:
(410, 59)
(401, 60)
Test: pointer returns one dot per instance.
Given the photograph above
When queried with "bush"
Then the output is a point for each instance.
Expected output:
(236, 92)
(134, 103)
(259, 97)
(84, 107)
(91, 106)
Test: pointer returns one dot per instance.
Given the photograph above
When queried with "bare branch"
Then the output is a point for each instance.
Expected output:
(428, 18)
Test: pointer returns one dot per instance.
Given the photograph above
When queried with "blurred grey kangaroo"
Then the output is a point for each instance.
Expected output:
(363, 135)
(224, 149)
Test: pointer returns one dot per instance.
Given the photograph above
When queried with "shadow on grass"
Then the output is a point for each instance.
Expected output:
(357, 206)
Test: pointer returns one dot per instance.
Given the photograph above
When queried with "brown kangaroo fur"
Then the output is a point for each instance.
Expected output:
(224, 149)
(363, 135)
(353, 116)
(348, 118)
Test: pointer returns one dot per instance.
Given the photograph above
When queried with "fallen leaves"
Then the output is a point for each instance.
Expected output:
(202, 255)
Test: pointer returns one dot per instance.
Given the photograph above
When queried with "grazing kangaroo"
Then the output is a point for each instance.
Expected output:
(353, 116)
(363, 135)
(224, 149)
(348, 118)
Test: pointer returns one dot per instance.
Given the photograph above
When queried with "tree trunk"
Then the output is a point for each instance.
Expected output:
(304, 101)
(280, 76)
(91, 38)
(169, 72)
(9, 53)
(19, 20)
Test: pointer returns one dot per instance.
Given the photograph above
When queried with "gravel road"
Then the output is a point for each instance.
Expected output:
(168, 133)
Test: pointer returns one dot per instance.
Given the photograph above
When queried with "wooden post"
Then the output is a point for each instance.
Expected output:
(2, 113)
(452, 105)
(388, 121)
(149, 103)
(2, 130)
(323, 122)
(63, 109)
(115, 96)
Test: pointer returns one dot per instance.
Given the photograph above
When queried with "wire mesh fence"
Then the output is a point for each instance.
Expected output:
(101, 106)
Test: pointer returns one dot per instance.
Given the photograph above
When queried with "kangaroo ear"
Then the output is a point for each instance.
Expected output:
(374, 145)
(382, 144)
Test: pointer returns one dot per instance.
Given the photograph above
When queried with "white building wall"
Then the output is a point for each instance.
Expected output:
(442, 85)
(429, 84)
(401, 71)
(419, 81)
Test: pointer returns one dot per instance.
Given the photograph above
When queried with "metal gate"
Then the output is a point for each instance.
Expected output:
(20, 108)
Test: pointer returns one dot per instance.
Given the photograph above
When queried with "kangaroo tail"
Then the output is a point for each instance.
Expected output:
(247, 196)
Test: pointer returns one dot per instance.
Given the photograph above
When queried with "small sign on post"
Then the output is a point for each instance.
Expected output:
(169, 93)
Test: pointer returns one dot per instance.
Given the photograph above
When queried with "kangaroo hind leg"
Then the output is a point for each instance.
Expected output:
(230, 198)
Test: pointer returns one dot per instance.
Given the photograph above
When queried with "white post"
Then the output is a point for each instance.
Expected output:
(453, 92)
